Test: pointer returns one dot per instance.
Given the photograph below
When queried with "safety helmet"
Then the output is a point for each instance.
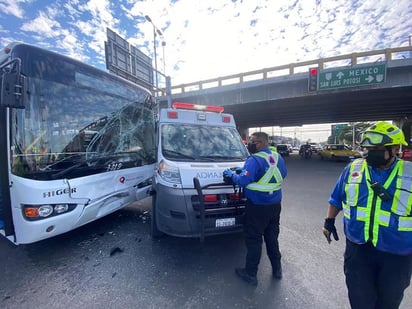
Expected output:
(382, 134)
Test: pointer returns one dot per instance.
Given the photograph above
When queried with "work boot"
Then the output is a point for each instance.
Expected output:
(277, 269)
(242, 273)
(277, 273)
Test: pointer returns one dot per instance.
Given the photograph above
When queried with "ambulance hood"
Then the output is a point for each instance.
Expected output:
(206, 172)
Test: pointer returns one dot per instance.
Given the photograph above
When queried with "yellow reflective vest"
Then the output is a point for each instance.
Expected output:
(272, 179)
(368, 218)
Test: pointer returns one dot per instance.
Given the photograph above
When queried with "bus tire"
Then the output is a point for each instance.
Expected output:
(154, 231)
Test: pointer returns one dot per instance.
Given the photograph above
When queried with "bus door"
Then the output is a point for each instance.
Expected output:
(13, 94)
(6, 225)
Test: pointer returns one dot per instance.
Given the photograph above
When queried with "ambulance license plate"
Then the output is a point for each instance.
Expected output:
(225, 222)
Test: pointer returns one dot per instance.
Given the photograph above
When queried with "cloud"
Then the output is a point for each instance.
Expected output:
(12, 7)
(42, 25)
(207, 39)
(210, 38)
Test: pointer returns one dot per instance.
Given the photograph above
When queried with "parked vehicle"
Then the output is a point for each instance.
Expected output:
(196, 143)
(77, 143)
(338, 152)
(315, 147)
(283, 150)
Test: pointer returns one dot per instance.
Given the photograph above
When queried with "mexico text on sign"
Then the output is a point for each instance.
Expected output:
(360, 75)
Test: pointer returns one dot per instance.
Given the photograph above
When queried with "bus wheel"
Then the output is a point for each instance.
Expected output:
(154, 231)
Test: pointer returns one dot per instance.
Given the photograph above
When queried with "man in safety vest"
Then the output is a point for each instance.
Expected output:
(261, 178)
(376, 199)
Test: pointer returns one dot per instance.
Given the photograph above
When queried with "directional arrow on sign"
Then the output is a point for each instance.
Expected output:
(351, 76)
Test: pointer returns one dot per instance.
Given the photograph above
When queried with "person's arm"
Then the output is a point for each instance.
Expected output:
(334, 207)
(329, 225)
(332, 211)
(248, 173)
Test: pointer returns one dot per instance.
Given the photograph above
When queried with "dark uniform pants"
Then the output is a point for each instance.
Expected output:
(261, 220)
(375, 279)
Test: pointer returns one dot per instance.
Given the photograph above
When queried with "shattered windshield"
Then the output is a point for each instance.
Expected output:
(79, 124)
(186, 142)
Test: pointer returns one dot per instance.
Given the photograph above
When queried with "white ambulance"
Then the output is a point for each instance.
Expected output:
(196, 143)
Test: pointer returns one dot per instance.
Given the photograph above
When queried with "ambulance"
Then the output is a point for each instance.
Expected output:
(196, 143)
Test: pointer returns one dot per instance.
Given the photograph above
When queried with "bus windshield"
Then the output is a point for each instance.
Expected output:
(78, 121)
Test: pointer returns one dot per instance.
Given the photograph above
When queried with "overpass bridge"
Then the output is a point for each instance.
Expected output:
(279, 96)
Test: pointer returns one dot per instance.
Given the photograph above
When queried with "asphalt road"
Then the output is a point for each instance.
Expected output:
(113, 263)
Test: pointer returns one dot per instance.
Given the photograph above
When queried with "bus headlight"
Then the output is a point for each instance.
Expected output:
(60, 208)
(38, 212)
(45, 210)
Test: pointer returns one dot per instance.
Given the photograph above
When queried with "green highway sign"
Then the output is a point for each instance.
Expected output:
(359, 75)
(336, 128)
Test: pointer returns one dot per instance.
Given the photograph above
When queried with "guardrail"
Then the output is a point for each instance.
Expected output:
(294, 68)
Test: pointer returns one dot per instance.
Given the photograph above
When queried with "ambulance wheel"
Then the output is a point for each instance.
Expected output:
(154, 231)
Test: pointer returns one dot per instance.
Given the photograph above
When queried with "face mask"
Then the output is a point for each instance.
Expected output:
(376, 158)
(251, 147)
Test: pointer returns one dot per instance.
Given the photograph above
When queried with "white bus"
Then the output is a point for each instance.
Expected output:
(76, 143)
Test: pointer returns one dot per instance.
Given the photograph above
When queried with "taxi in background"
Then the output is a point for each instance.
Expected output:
(338, 152)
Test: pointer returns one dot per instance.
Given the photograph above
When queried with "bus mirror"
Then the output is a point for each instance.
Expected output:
(13, 90)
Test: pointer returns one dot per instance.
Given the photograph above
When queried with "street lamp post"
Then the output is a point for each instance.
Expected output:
(164, 60)
(156, 32)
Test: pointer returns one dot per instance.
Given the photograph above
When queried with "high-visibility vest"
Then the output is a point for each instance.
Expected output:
(265, 183)
(387, 224)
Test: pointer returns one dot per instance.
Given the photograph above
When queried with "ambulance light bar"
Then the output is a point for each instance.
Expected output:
(206, 108)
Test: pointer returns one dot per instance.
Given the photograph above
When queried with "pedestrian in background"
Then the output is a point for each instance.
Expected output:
(376, 199)
(261, 177)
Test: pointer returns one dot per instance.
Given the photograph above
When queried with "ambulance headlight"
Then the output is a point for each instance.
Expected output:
(169, 173)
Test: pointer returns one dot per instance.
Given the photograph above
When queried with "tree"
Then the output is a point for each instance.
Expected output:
(346, 134)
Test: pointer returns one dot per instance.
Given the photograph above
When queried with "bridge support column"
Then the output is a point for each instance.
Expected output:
(244, 133)
(405, 124)
(406, 128)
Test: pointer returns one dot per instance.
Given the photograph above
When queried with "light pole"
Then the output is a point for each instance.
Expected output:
(164, 60)
(410, 44)
(155, 32)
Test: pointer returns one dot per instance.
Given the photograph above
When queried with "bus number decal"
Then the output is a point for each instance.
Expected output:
(114, 166)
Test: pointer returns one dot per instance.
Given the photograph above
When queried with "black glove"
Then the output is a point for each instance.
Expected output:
(238, 170)
(329, 228)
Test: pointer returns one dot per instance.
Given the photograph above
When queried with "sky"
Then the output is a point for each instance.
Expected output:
(210, 38)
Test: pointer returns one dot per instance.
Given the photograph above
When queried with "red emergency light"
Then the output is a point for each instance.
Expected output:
(206, 108)
(172, 115)
(226, 119)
